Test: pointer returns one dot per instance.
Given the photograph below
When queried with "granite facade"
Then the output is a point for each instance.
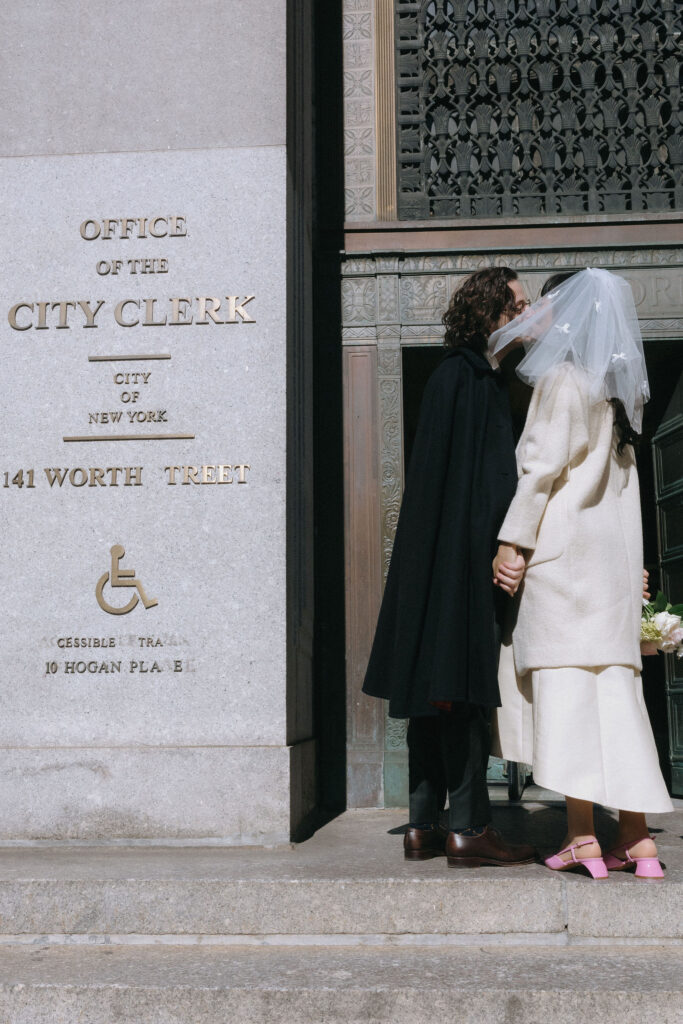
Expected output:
(147, 177)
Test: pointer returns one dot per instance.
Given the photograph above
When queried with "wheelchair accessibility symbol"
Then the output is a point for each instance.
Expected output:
(118, 577)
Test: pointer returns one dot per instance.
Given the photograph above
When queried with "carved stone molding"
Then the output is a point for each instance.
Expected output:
(391, 434)
(359, 301)
(388, 298)
(662, 328)
(548, 260)
(395, 734)
(386, 110)
(359, 110)
(413, 290)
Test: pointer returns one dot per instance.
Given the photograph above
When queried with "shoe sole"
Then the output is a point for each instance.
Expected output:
(480, 862)
(423, 854)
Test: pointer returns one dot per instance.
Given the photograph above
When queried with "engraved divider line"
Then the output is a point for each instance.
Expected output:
(120, 359)
(132, 437)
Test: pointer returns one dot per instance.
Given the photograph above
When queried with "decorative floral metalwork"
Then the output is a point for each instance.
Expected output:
(538, 107)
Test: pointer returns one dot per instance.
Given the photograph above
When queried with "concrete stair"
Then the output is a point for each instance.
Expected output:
(214, 985)
(340, 928)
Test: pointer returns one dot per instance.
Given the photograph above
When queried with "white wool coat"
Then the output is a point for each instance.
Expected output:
(577, 511)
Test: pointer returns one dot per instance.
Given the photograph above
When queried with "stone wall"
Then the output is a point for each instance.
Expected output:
(187, 717)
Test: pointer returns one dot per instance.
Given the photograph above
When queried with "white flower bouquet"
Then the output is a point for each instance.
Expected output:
(660, 627)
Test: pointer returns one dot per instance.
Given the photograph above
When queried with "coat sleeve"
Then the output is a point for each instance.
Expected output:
(442, 403)
(555, 435)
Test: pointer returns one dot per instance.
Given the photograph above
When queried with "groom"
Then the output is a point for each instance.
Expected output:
(435, 653)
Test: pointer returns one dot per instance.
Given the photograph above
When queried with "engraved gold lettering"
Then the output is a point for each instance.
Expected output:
(96, 477)
(12, 316)
(148, 266)
(87, 232)
(207, 475)
(92, 667)
(149, 320)
(236, 309)
(133, 476)
(242, 470)
(127, 225)
(153, 225)
(90, 314)
(208, 310)
(55, 474)
(118, 312)
(190, 473)
(109, 228)
(157, 227)
(42, 316)
(172, 470)
(105, 417)
(132, 378)
(177, 312)
(151, 416)
(225, 474)
(63, 308)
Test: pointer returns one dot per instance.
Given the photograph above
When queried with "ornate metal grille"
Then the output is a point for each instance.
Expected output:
(538, 107)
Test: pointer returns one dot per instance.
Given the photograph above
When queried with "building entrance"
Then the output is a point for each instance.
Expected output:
(479, 134)
(392, 310)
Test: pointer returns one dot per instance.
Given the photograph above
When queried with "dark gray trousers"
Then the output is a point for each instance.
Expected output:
(448, 754)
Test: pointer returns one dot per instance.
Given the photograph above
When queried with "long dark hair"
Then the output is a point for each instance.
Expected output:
(476, 307)
(625, 432)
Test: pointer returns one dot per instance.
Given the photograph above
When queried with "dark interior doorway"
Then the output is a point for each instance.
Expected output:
(664, 364)
(664, 367)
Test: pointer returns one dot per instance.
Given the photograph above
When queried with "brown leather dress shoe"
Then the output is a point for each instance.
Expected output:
(487, 848)
(424, 843)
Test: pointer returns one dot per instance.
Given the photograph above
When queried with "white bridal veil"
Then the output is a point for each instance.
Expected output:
(589, 320)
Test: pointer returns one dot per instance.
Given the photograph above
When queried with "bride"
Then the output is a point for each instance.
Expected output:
(573, 700)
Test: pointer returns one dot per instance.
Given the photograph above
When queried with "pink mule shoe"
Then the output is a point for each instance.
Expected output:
(645, 867)
(594, 865)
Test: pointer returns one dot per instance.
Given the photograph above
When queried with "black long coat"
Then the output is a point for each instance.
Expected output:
(435, 638)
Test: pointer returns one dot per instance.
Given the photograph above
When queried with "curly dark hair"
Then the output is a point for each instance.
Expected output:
(476, 307)
(625, 432)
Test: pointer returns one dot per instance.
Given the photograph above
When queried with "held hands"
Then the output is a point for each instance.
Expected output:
(508, 568)
(508, 573)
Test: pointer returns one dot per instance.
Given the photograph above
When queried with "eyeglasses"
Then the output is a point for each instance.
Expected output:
(522, 305)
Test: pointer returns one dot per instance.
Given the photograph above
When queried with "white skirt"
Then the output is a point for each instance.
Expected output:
(585, 731)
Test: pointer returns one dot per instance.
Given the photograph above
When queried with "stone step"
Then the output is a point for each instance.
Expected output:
(348, 884)
(214, 985)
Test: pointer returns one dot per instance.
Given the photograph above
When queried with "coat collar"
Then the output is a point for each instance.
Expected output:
(475, 359)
